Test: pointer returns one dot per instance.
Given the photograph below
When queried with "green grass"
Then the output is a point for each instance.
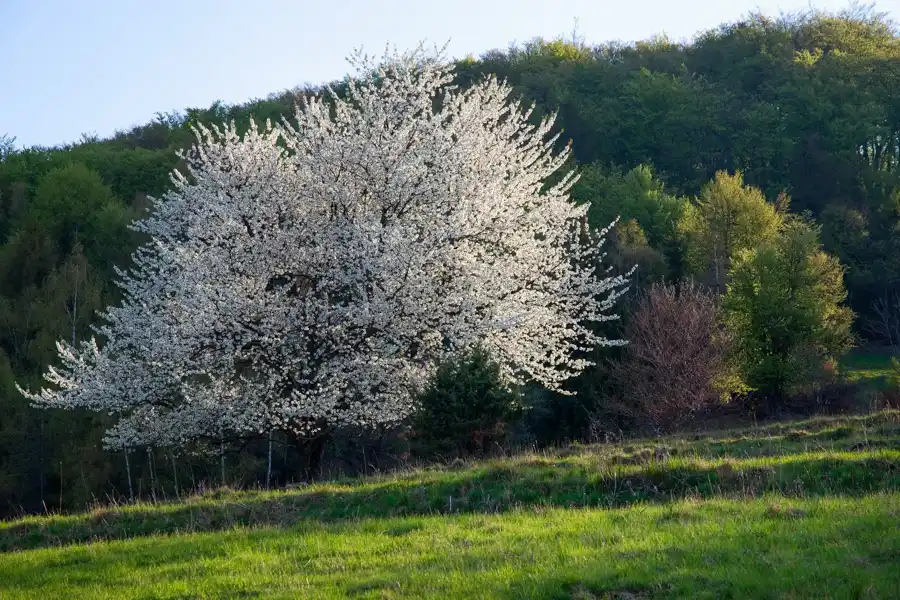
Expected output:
(805, 509)
(763, 548)
(867, 365)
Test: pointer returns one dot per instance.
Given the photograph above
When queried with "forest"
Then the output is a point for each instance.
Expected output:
(764, 154)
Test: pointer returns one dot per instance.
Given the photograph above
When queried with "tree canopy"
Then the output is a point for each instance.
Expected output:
(314, 274)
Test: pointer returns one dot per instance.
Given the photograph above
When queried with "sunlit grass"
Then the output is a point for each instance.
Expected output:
(800, 509)
(763, 548)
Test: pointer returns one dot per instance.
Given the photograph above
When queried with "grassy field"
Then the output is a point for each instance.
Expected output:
(807, 509)
(867, 365)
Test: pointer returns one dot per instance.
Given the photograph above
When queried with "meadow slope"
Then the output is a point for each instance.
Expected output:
(805, 509)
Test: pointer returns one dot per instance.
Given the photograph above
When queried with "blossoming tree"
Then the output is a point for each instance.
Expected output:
(311, 275)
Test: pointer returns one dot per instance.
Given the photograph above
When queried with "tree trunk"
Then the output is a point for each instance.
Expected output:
(222, 460)
(152, 475)
(128, 471)
(175, 476)
(311, 451)
(269, 465)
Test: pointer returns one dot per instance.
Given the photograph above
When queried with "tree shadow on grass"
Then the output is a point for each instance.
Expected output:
(847, 433)
(492, 488)
(889, 420)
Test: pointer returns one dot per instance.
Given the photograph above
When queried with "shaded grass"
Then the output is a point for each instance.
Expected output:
(846, 456)
(875, 430)
(867, 365)
(766, 547)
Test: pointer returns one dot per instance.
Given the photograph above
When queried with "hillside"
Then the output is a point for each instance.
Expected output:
(803, 509)
(802, 104)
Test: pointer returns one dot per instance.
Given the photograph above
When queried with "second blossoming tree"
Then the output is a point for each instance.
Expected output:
(312, 275)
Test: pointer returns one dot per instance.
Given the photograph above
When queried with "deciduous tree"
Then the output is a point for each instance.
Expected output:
(785, 309)
(728, 217)
(312, 275)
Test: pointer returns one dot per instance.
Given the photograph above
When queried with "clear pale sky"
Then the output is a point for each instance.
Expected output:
(93, 66)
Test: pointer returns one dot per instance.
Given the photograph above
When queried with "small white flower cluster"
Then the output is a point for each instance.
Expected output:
(314, 274)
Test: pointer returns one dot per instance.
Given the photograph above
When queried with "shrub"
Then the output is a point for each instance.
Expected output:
(675, 363)
(464, 410)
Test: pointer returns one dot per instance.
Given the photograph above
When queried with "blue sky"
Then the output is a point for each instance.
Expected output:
(94, 66)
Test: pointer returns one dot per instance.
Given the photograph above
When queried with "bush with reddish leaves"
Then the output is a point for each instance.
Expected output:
(675, 363)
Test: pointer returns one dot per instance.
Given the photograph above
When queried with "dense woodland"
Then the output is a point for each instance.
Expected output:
(799, 115)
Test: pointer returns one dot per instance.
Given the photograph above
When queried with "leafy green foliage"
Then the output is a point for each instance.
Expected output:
(803, 104)
(646, 232)
(636, 195)
(7, 146)
(784, 306)
(65, 232)
(72, 203)
(465, 409)
(630, 249)
(728, 218)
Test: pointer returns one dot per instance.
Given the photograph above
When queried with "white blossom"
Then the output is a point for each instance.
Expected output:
(313, 274)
